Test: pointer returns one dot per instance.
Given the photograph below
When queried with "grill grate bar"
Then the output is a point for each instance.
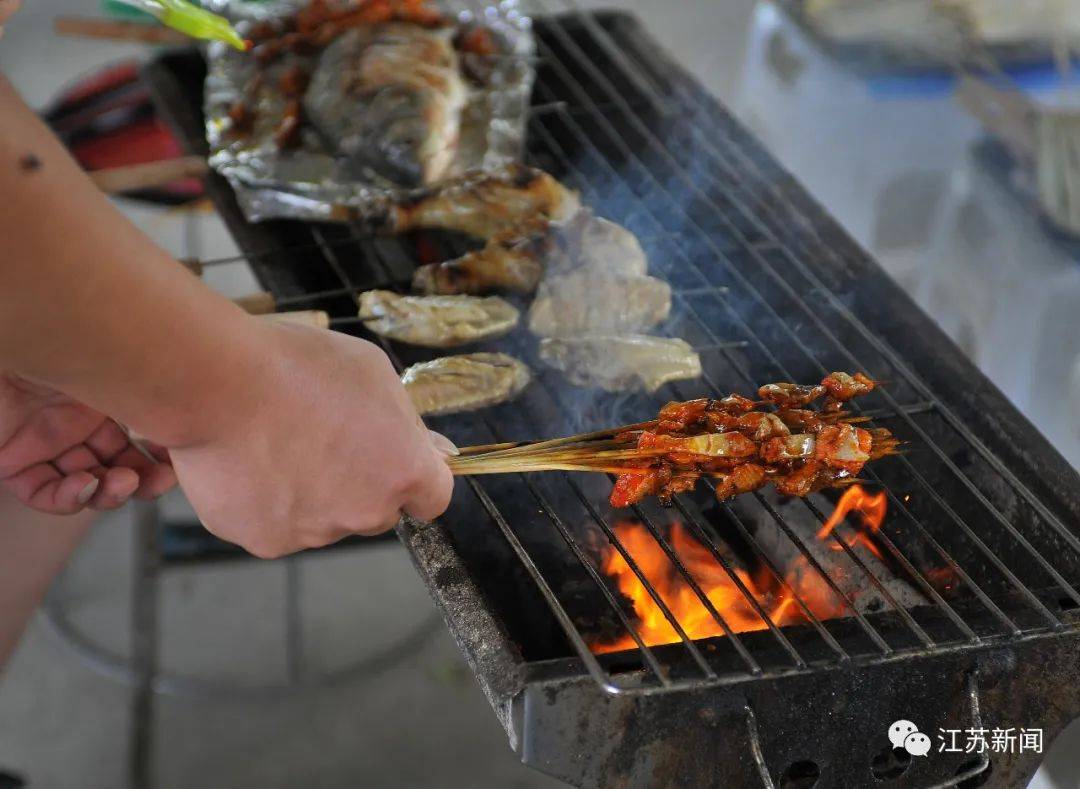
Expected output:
(601, 36)
(979, 592)
(628, 151)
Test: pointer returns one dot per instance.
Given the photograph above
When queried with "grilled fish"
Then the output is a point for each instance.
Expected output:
(510, 264)
(468, 382)
(589, 303)
(623, 363)
(389, 99)
(436, 321)
(514, 198)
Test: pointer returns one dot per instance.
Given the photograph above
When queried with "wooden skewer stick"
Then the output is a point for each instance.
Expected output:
(111, 30)
(459, 471)
(503, 449)
(315, 318)
(261, 303)
(146, 176)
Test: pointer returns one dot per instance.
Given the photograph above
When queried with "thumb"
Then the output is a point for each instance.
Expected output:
(432, 496)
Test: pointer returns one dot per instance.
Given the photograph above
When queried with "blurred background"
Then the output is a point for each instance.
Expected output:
(334, 669)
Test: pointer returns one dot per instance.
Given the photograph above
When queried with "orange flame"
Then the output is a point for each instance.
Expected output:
(772, 595)
(871, 506)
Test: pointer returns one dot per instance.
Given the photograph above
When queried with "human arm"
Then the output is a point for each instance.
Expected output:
(34, 547)
(282, 437)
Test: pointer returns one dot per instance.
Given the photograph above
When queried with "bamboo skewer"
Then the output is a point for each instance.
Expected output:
(148, 175)
(596, 451)
(505, 448)
(113, 30)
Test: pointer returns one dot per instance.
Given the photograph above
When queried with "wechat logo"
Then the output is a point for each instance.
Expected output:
(906, 735)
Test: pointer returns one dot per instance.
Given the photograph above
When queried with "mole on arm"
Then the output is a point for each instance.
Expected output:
(29, 163)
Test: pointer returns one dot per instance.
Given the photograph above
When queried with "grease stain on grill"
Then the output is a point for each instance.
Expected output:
(447, 577)
(802, 774)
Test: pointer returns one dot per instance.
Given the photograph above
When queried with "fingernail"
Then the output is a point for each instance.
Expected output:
(444, 444)
(88, 492)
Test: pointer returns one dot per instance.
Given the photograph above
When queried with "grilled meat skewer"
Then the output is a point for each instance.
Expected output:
(736, 441)
(827, 450)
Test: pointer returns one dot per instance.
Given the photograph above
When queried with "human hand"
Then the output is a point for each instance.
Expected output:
(7, 9)
(326, 445)
(60, 456)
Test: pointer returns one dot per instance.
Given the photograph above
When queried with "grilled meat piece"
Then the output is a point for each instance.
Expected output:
(844, 447)
(452, 384)
(586, 242)
(619, 363)
(790, 395)
(762, 426)
(786, 450)
(808, 478)
(744, 447)
(436, 321)
(592, 303)
(389, 98)
(510, 202)
(504, 265)
(745, 478)
(842, 387)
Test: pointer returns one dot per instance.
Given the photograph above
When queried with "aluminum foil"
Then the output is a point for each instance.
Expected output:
(310, 182)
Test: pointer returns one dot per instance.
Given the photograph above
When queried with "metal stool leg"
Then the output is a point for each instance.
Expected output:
(144, 643)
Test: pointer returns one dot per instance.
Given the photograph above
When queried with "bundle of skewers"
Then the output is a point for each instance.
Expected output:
(740, 443)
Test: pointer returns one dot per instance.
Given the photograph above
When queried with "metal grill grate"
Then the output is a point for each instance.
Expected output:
(766, 288)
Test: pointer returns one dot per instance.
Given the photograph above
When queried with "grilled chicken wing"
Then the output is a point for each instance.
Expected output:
(586, 242)
(436, 321)
(464, 383)
(514, 199)
(586, 302)
(619, 363)
(510, 265)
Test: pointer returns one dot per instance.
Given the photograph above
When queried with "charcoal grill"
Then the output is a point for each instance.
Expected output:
(767, 287)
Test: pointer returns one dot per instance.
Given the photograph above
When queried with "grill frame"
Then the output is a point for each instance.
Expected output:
(538, 700)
